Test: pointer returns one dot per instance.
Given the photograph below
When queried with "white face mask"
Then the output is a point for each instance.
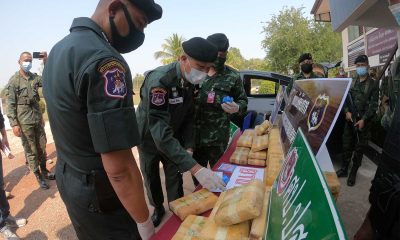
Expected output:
(195, 76)
(26, 66)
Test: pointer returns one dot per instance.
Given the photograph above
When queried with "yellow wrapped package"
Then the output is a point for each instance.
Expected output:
(248, 132)
(256, 162)
(245, 141)
(263, 128)
(190, 228)
(333, 184)
(240, 156)
(259, 143)
(259, 224)
(193, 204)
(212, 230)
(241, 204)
(258, 155)
(275, 157)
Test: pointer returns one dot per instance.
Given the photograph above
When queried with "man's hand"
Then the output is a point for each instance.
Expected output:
(208, 179)
(190, 151)
(360, 124)
(385, 102)
(349, 116)
(17, 131)
(230, 107)
(146, 229)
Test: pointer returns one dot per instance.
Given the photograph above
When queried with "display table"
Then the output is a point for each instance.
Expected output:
(168, 230)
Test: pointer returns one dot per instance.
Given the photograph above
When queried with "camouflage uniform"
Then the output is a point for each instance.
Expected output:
(365, 98)
(299, 76)
(24, 111)
(211, 122)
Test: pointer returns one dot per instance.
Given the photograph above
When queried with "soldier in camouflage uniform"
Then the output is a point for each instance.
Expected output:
(364, 93)
(26, 118)
(306, 67)
(211, 116)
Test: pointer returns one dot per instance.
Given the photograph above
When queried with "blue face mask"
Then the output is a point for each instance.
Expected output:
(361, 71)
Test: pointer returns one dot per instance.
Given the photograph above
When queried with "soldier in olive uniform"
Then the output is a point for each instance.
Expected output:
(26, 117)
(211, 115)
(364, 94)
(88, 90)
(306, 67)
(165, 119)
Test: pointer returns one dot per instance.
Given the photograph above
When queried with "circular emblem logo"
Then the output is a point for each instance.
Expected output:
(287, 171)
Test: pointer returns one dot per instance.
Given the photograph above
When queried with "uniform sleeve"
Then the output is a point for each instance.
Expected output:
(239, 95)
(160, 129)
(188, 128)
(106, 87)
(372, 103)
(1, 120)
(12, 105)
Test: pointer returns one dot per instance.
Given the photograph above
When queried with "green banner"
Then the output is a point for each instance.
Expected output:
(301, 204)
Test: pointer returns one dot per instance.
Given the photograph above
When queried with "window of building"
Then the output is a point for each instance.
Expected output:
(354, 32)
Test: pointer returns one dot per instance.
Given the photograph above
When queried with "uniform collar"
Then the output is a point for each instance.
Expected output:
(85, 22)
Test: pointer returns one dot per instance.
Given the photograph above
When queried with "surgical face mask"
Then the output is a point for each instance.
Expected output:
(395, 9)
(132, 41)
(219, 64)
(195, 76)
(362, 71)
(26, 66)
(306, 68)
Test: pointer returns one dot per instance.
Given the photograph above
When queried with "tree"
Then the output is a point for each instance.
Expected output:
(290, 34)
(236, 60)
(171, 49)
(137, 81)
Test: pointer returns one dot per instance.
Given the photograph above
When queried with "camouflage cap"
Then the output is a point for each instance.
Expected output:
(200, 49)
(361, 59)
(220, 41)
(152, 10)
(305, 56)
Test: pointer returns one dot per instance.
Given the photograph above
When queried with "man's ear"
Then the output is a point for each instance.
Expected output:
(114, 6)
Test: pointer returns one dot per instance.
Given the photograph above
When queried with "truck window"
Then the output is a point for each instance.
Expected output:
(263, 87)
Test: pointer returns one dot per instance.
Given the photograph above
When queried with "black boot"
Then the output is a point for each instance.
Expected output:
(157, 216)
(40, 180)
(48, 175)
(351, 180)
(343, 171)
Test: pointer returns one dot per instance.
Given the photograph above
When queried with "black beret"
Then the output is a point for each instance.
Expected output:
(305, 56)
(361, 58)
(200, 49)
(220, 41)
(152, 10)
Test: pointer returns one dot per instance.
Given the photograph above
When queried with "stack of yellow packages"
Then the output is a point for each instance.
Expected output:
(252, 145)
(275, 157)
(333, 184)
(239, 213)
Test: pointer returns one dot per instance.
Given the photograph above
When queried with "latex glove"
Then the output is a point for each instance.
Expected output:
(209, 180)
(146, 229)
(230, 107)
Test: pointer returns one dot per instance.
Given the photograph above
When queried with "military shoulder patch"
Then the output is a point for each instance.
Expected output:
(158, 98)
(113, 73)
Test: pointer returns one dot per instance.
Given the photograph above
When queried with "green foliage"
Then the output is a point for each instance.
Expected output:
(266, 87)
(137, 82)
(290, 33)
(171, 49)
(236, 60)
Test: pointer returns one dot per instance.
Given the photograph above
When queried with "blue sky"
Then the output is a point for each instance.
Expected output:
(37, 25)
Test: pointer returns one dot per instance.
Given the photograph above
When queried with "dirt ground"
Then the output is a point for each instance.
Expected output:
(48, 218)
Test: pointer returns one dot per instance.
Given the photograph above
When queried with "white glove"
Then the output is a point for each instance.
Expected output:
(209, 180)
(146, 229)
(230, 107)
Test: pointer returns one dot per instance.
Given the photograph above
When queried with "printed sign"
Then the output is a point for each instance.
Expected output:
(243, 175)
(301, 206)
(314, 106)
(278, 103)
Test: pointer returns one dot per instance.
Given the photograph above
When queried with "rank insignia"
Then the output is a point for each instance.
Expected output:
(317, 113)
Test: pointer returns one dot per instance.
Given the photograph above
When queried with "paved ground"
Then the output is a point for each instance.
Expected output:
(48, 219)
